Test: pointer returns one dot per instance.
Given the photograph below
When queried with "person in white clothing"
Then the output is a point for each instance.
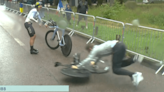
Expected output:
(118, 50)
(33, 16)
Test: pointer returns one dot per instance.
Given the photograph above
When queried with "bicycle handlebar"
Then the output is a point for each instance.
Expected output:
(51, 23)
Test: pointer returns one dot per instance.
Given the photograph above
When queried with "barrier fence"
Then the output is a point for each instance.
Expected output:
(26, 9)
(109, 29)
(70, 17)
(84, 23)
(144, 41)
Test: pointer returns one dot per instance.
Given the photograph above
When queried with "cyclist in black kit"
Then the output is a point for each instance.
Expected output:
(28, 25)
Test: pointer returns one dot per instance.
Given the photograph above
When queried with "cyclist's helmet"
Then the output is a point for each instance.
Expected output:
(38, 4)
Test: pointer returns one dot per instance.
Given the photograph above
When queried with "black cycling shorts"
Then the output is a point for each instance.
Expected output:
(30, 29)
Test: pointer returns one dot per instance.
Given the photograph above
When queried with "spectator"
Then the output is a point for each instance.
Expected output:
(25, 1)
(68, 15)
(14, 1)
(82, 8)
(94, 1)
(33, 2)
(20, 1)
(46, 2)
(51, 2)
(63, 12)
(29, 1)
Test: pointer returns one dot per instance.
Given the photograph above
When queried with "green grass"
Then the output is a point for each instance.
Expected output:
(150, 15)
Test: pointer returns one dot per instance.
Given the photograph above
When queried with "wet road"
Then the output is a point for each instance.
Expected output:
(19, 67)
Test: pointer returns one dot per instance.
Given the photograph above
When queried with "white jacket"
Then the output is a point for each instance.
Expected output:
(99, 51)
(32, 15)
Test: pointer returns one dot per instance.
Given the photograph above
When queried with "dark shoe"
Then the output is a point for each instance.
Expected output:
(33, 52)
(36, 50)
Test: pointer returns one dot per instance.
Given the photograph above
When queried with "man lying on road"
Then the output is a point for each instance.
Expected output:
(118, 49)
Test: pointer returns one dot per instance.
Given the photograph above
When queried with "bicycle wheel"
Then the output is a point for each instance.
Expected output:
(51, 43)
(82, 73)
(99, 68)
(66, 49)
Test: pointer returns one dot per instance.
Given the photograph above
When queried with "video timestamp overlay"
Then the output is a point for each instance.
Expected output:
(34, 88)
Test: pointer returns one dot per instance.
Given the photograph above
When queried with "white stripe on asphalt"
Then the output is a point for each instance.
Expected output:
(19, 42)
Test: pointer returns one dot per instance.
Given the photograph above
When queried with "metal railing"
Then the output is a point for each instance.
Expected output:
(70, 17)
(85, 23)
(144, 41)
(109, 29)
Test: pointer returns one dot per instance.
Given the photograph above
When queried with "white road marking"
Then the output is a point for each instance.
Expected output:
(19, 42)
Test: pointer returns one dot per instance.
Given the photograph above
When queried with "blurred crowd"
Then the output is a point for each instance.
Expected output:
(50, 2)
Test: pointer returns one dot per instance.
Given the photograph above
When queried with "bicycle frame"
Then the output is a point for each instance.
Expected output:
(61, 39)
(56, 32)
